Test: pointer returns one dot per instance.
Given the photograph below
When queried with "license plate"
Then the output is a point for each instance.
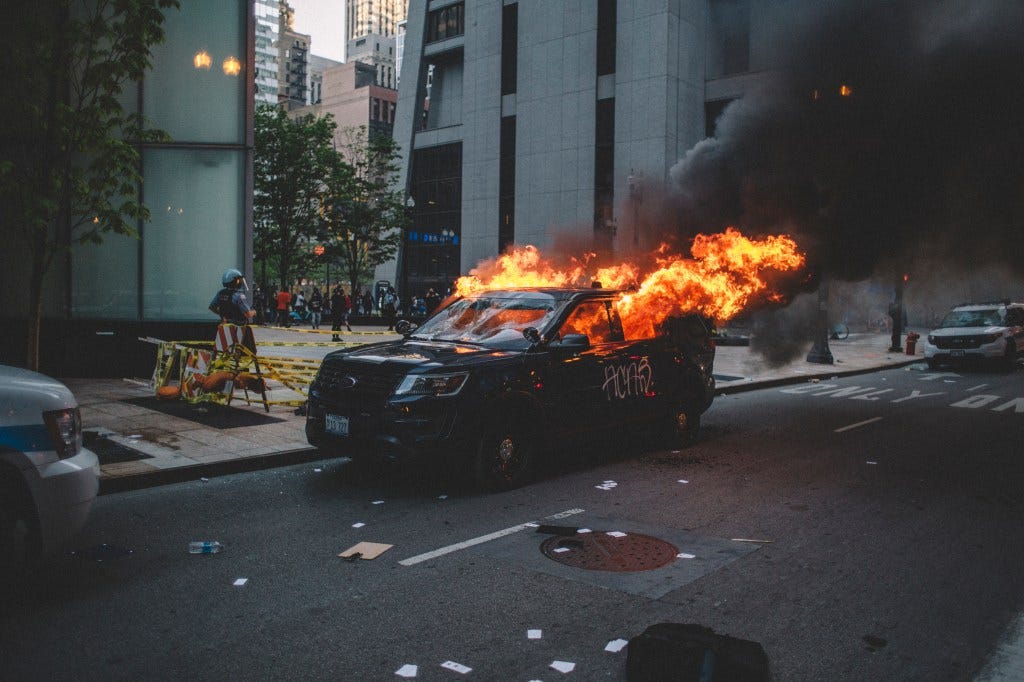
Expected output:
(956, 353)
(337, 425)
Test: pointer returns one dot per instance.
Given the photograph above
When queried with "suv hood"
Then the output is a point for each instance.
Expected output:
(966, 331)
(403, 356)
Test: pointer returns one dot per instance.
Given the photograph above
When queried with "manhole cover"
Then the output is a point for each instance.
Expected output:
(603, 551)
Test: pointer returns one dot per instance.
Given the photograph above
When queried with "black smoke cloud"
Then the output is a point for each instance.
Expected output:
(923, 161)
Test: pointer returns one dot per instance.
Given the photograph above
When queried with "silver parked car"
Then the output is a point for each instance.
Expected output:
(48, 481)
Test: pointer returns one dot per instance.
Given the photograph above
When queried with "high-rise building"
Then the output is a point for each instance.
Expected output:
(317, 66)
(364, 17)
(267, 26)
(550, 114)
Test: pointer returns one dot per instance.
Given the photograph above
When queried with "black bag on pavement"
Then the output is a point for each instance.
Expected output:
(674, 652)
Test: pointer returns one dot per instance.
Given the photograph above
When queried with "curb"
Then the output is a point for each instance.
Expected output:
(803, 378)
(194, 472)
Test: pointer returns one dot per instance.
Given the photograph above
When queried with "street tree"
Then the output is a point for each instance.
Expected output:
(69, 157)
(364, 212)
(292, 159)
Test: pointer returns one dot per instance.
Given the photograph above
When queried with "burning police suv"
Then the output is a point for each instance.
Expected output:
(493, 380)
(979, 331)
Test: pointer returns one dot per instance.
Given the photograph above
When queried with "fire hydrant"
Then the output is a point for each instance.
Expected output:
(912, 338)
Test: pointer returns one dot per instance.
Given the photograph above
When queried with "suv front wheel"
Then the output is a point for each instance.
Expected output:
(504, 456)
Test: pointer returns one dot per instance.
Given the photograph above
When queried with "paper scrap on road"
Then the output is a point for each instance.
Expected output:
(457, 667)
(317, 471)
(616, 645)
(204, 479)
(239, 582)
(366, 550)
(559, 550)
(533, 634)
(682, 480)
(583, 530)
(684, 555)
(563, 666)
(407, 670)
(606, 485)
(378, 502)
(358, 525)
(616, 534)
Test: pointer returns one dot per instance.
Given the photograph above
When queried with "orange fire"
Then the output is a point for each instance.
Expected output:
(725, 275)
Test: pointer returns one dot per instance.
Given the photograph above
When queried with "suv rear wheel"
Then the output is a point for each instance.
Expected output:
(504, 456)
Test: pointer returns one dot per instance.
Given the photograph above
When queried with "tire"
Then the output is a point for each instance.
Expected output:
(504, 456)
(682, 428)
(840, 331)
(1010, 357)
(20, 535)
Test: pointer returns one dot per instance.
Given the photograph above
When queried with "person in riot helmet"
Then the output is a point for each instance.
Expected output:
(229, 303)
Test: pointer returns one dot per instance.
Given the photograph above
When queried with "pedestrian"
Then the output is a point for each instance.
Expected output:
(284, 299)
(229, 303)
(389, 307)
(316, 301)
(339, 313)
(299, 305)
(432, 301)
(367, 302)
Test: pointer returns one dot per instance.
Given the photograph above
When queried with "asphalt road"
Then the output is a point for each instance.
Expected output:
(887, 507)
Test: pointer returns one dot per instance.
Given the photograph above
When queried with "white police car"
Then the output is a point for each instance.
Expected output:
(979, 331)
(48, 481)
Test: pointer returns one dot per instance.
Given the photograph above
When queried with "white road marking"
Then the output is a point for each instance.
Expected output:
(977, 388)
(427, 556)
(858, 424)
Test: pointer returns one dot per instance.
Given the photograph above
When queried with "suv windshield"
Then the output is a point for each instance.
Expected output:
(989, 317)
(490, 320)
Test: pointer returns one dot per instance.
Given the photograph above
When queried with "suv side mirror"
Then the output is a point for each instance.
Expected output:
(404, 327)
(573, 341)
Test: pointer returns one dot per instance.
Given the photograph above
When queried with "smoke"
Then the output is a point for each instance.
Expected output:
(920, 167)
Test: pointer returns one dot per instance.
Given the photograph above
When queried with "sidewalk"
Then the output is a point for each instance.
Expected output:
(144, 442)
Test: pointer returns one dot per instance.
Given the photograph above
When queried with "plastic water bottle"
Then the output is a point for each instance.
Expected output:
(204, 547)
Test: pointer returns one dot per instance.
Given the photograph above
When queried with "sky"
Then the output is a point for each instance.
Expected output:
(324, 21)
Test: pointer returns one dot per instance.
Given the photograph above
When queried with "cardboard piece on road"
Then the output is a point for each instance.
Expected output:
(407, 670)
(563, 666)
(366, 550)
(616, 645)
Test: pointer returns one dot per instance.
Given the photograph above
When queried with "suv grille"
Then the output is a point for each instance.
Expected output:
(953, 342)
(353, 384)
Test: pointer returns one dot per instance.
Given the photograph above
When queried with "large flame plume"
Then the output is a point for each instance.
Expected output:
(726, 274)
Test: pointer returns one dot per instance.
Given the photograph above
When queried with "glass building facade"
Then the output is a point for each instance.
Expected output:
(197, 186)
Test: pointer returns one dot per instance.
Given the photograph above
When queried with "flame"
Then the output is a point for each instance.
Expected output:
(725, 275)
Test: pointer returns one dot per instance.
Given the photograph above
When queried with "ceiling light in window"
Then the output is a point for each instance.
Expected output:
(202, 60)
(232, 67)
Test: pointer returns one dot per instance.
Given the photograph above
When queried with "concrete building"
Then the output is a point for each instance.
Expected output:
(317, 66)
(100, 298)
(353, 97)
(292, 63)
(381, 17)
(378, 51)
(550, 115)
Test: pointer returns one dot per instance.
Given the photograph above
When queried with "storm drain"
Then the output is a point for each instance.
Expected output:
(610, 551)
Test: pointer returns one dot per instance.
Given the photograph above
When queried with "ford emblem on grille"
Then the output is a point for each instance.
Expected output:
(348, 381)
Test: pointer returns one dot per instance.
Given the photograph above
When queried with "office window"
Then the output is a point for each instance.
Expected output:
(507, 184)
(606, 36)
(604, 164)
(509, 48)
(446, 22)
(729, 27)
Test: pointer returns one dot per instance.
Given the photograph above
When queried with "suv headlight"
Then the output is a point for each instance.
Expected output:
(65, 427)
(989, 338)
(432, 384)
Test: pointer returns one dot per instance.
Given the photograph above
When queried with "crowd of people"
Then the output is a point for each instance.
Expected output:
(293, 306)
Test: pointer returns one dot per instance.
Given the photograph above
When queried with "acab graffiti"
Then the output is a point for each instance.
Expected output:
(628, 380)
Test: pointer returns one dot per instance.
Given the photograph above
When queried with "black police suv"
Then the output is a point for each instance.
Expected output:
(491, 382)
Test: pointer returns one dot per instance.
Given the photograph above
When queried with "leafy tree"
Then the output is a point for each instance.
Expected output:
(69, 169)
(292, 159)
(364, 213)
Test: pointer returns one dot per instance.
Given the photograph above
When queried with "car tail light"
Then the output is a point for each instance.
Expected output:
(65, 428)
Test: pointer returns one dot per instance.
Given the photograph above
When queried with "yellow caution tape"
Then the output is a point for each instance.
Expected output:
(331, 331)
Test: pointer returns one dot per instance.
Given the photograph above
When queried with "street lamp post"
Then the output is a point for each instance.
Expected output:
(820, 353)
(403, 257)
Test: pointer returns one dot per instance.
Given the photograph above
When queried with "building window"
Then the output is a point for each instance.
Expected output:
(433, 259)
(507, 184)
(446, 22)
(712, 112)
(606, 35)
(729, 40)
(604, 165)
(509, 47)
